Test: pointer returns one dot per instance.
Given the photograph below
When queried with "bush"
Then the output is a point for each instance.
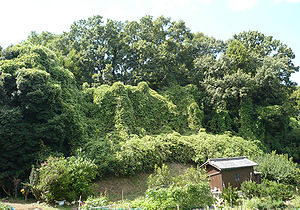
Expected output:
(194, 190)
(278, 168)
(230, 196)
(94, 202)
(63, 179)
(274, 190)
(187, 191)
(102, 152)
(250, 189)
(141, 154)
(161, 178)
(129, 155)
(265, 203)
(296, 202)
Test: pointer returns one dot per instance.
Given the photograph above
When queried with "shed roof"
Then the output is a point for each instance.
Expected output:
(230, 163)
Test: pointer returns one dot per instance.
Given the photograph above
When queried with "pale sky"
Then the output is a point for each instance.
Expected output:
(218, 18)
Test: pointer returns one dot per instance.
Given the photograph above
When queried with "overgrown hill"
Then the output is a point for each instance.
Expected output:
(141, 110)
(124, 128)
(134, 94)
(134, 127)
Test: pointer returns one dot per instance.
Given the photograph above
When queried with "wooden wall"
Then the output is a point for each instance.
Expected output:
(220, 179)
(228, 176)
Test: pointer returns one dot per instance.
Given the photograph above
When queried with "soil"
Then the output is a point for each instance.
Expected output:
(20, 205)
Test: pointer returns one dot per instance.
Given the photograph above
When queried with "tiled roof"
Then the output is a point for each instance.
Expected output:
(229, 163)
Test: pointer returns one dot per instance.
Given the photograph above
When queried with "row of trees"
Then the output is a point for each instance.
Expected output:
(244, 82)
(158, 51)
(56, 91)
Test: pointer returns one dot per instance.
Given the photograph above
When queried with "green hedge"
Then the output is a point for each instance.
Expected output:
(123, 156)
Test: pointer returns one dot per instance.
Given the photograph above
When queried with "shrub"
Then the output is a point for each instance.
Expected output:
(296, 202)
(141, 154)
(274, 190)
(164, 198)
(187, 191)
(265, 203)
(278, 168)
(161, 178)
(194, 190)
(250, 189)
(129, 155)
(94, 202)
(63, 179)
(229, 194)
(102, 152)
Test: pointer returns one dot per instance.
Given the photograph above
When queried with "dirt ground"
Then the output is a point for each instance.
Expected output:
(35, 206)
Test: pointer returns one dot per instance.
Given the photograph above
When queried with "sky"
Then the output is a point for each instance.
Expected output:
(218, 18)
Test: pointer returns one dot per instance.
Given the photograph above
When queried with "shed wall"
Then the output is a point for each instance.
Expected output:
(216, 181)
(230, 176)
(215, 177)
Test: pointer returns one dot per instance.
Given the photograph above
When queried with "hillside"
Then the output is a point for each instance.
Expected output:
(135, 94)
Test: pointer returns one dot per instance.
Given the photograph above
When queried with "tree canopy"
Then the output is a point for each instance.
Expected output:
(107, 83)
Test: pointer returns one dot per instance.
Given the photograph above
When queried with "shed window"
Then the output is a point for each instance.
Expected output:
(237, 177)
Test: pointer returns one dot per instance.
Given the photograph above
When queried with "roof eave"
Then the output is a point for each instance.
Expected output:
(208, 163)
(239, 167)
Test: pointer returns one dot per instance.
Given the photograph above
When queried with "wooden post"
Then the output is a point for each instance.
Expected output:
(122, 194)
(16, 185)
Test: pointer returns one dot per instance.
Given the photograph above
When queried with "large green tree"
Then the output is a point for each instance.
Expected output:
(248, 88)
(37, 108)
(158, 51)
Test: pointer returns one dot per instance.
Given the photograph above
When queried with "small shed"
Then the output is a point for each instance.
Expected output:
(233, 170)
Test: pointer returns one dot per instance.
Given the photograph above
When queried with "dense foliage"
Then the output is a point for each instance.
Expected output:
(62, 179)
(138, 93)
(39, 109)
(134, 154)
(266, 203)
(243, 84)
(268, 194)
(278, 168)
(91, 202)
(187, 191)
(272, 189)
(230, 195)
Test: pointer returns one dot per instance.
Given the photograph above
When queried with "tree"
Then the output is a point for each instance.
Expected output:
(248, 90)
(158, 51)
(35, 112)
